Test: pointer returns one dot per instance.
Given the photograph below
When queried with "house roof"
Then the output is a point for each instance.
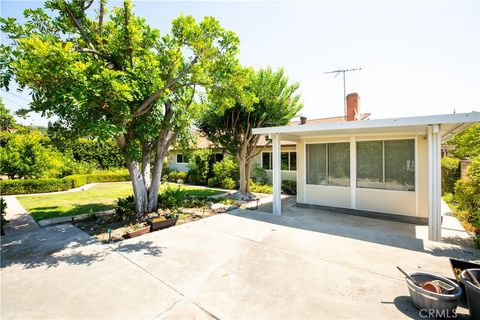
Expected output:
(362, 116)
(450, 125)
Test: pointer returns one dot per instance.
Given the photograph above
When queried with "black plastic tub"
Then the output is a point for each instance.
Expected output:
(440, 305)
(472, 292)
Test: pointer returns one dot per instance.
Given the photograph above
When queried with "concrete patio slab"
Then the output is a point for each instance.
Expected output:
(238, 265)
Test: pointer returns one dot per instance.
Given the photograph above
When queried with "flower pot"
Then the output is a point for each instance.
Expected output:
(473, 293)
(159, 225)
(138, 232)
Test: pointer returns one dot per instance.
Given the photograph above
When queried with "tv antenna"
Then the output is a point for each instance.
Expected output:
(337, 72)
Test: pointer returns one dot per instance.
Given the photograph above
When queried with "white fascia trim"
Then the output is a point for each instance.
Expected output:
(380, 123)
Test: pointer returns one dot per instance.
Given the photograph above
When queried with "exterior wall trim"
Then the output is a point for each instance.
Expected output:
(368, 214)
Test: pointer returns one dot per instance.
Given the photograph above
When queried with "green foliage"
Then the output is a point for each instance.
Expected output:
(200, 166)
(30, 156)
(171, 198)
(103, 154)
(34, 186)
(125, 209)
(51, 185)
(450, 174)
(259, 175)
(3, 210)
(262, 99)
(175, 176)
(213, 182)
(467, 143)
(289, 187)
(111, 75)
(466, 199)
(7, 121)
(227, 168)
(258, 188)
(79, 180)
(228, 183)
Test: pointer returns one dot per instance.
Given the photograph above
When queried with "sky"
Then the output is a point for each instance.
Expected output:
(416, 57)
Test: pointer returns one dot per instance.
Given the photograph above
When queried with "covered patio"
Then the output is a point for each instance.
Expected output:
(387, 168)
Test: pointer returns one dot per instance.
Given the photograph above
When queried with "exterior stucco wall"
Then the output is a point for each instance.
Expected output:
(410, 203)
(286, 174)
(173, 164)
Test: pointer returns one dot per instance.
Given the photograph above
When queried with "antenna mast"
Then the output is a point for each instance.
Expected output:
(337, 72)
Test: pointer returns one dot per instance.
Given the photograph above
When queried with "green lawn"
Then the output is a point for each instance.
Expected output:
(97, 198)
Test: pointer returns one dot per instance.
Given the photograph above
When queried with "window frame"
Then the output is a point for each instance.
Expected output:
(181, 155)
(271, 160)
(327, 164)
(415, 159)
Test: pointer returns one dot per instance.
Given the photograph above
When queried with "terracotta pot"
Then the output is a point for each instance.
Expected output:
(162, 224)
(138, 232)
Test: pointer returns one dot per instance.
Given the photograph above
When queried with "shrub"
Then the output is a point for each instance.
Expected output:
(228, 183)
(171, 198)
(467, 198)
(175, 176)
(34, 186)
(29, 156)
(125, 209)
(258, 188)
(289, 186)
(213, 182)
(101, 154)
(259, 175)
(227, 168)
(3, 210)
(200, 166)
(51, 185)
(450, 174)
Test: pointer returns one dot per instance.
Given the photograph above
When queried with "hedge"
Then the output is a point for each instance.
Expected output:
(450, 174)
(51, 185)
(34, 186)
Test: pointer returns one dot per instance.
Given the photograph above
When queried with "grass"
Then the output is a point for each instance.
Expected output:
(97, 198)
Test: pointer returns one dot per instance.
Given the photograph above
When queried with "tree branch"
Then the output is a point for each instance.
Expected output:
(148, 102)
(77, 24)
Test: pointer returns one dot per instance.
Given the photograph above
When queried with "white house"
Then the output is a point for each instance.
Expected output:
(178, 161)
(387, 168)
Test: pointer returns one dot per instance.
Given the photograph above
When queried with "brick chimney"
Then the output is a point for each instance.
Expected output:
(353, 106)
(303, 120)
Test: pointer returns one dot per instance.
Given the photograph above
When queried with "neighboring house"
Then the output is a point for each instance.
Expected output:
(388, 168)
(178, 161)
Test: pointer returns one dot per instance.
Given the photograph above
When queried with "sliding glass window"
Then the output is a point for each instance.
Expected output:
(388, 164)
(328, 164)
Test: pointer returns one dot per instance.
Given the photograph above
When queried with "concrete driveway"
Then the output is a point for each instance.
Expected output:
(242, 265)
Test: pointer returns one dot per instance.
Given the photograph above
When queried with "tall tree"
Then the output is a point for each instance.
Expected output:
(267, 99)
(7, 121)
(115, 77)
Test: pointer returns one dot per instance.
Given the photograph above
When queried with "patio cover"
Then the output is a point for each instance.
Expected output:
(437, 128)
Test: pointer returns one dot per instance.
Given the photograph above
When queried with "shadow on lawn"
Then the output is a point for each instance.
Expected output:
(390, 233)
(41, 213)
(63, 244)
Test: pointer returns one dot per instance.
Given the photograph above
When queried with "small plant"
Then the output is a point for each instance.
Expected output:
(3, 211)
(92, 216)
(213, 182)
(125, 209)
(170, 215)
(228, 183)
(171, 198)
(259, 175)
(254, 187)
(135, 226)
(195, 202)
(289, 186)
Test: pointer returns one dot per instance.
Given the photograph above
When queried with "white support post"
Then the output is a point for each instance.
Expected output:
(276, 175)
(434, 184)
(353, 173)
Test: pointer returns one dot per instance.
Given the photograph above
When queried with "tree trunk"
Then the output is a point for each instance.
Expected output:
(248, 173)
(241, 167)
(139, 190)
(146, 170)
(156, 179)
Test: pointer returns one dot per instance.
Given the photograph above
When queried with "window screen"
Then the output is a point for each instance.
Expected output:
(317, 164)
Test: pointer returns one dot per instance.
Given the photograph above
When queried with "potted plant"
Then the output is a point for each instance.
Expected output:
(163, 221)
(137, 229)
